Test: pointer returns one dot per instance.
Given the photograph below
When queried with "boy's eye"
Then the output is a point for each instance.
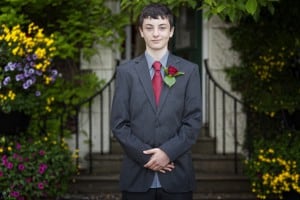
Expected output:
(148, 27)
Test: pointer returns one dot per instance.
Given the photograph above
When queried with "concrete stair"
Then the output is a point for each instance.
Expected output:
(214, 173)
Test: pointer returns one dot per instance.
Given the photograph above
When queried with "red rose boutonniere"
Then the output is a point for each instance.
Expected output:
(170, 73)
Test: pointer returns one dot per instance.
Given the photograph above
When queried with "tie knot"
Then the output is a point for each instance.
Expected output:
(157, 65)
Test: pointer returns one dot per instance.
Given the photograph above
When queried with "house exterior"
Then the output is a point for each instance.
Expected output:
(196, 39)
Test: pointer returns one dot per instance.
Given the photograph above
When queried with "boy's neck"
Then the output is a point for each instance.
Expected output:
(157, 54)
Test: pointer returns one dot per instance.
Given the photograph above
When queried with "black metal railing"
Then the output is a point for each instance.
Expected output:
(97, 123)
(217, 100)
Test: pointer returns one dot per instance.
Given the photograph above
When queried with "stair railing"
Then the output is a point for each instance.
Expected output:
(101, 100)
(216, 122)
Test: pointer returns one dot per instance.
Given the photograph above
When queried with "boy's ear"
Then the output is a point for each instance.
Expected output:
(141, 32)
(172, 32)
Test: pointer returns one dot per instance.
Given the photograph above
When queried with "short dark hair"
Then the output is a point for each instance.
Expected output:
(156, 10)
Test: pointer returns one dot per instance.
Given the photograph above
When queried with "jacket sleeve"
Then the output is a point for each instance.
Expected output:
(120, 120)
(191, 120)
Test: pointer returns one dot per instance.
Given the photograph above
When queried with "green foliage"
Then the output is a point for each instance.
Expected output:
(63, 99)
(78, 24)
(134, 7)
(34, 168)
(268, 78)
(71, 93)
(274, 166)
(235, 10)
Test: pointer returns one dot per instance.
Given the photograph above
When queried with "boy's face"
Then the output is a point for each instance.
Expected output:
(156, 33)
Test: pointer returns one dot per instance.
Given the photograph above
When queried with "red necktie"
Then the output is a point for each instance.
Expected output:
(157, 81)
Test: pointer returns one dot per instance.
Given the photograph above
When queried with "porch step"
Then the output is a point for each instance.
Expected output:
(196, 196)
(218, 163)
(224, 196)
(215, 174)
(206, 183)
(209, 186)
(204, 145)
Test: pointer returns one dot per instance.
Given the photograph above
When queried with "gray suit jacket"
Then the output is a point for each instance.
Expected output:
(173, 126)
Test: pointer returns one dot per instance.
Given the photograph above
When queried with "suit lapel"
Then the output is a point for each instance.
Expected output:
(142, 70)
(172, 60)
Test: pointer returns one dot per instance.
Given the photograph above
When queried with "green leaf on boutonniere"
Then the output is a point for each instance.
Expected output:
(169, 80)
(170, 73)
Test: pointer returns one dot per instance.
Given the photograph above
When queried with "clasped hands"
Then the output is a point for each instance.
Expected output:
(159, 161)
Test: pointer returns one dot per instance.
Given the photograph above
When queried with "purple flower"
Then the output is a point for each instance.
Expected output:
(54, 72)
(4, 160)
(41, 186)
(14, 194)
(15, 156)
(10, 67)
(32, 64)
(31, 71)
(27, 84)
(39, 73)
(19, 67)
(42, 168)
(19, 77)
(26, 72)
(37, 93)
(1, 173)
(4, 157)
(33, 78)
(9, 165)
(42, 152)
(6, 80)
(21, 167)
(7, 68)
(34, 57)
(18, 146)
(28, 58)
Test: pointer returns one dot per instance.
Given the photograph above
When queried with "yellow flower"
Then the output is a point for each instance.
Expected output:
(40, 53)
(271, 150)
(11, 95)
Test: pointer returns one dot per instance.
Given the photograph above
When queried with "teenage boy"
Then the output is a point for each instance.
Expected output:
(156, 115)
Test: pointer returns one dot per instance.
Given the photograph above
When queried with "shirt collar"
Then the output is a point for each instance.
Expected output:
(150, 59)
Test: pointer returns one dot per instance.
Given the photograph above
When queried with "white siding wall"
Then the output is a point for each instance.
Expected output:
(103, 64)
(216, 48)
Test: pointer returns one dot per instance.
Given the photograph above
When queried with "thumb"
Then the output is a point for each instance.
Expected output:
(149, 151)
